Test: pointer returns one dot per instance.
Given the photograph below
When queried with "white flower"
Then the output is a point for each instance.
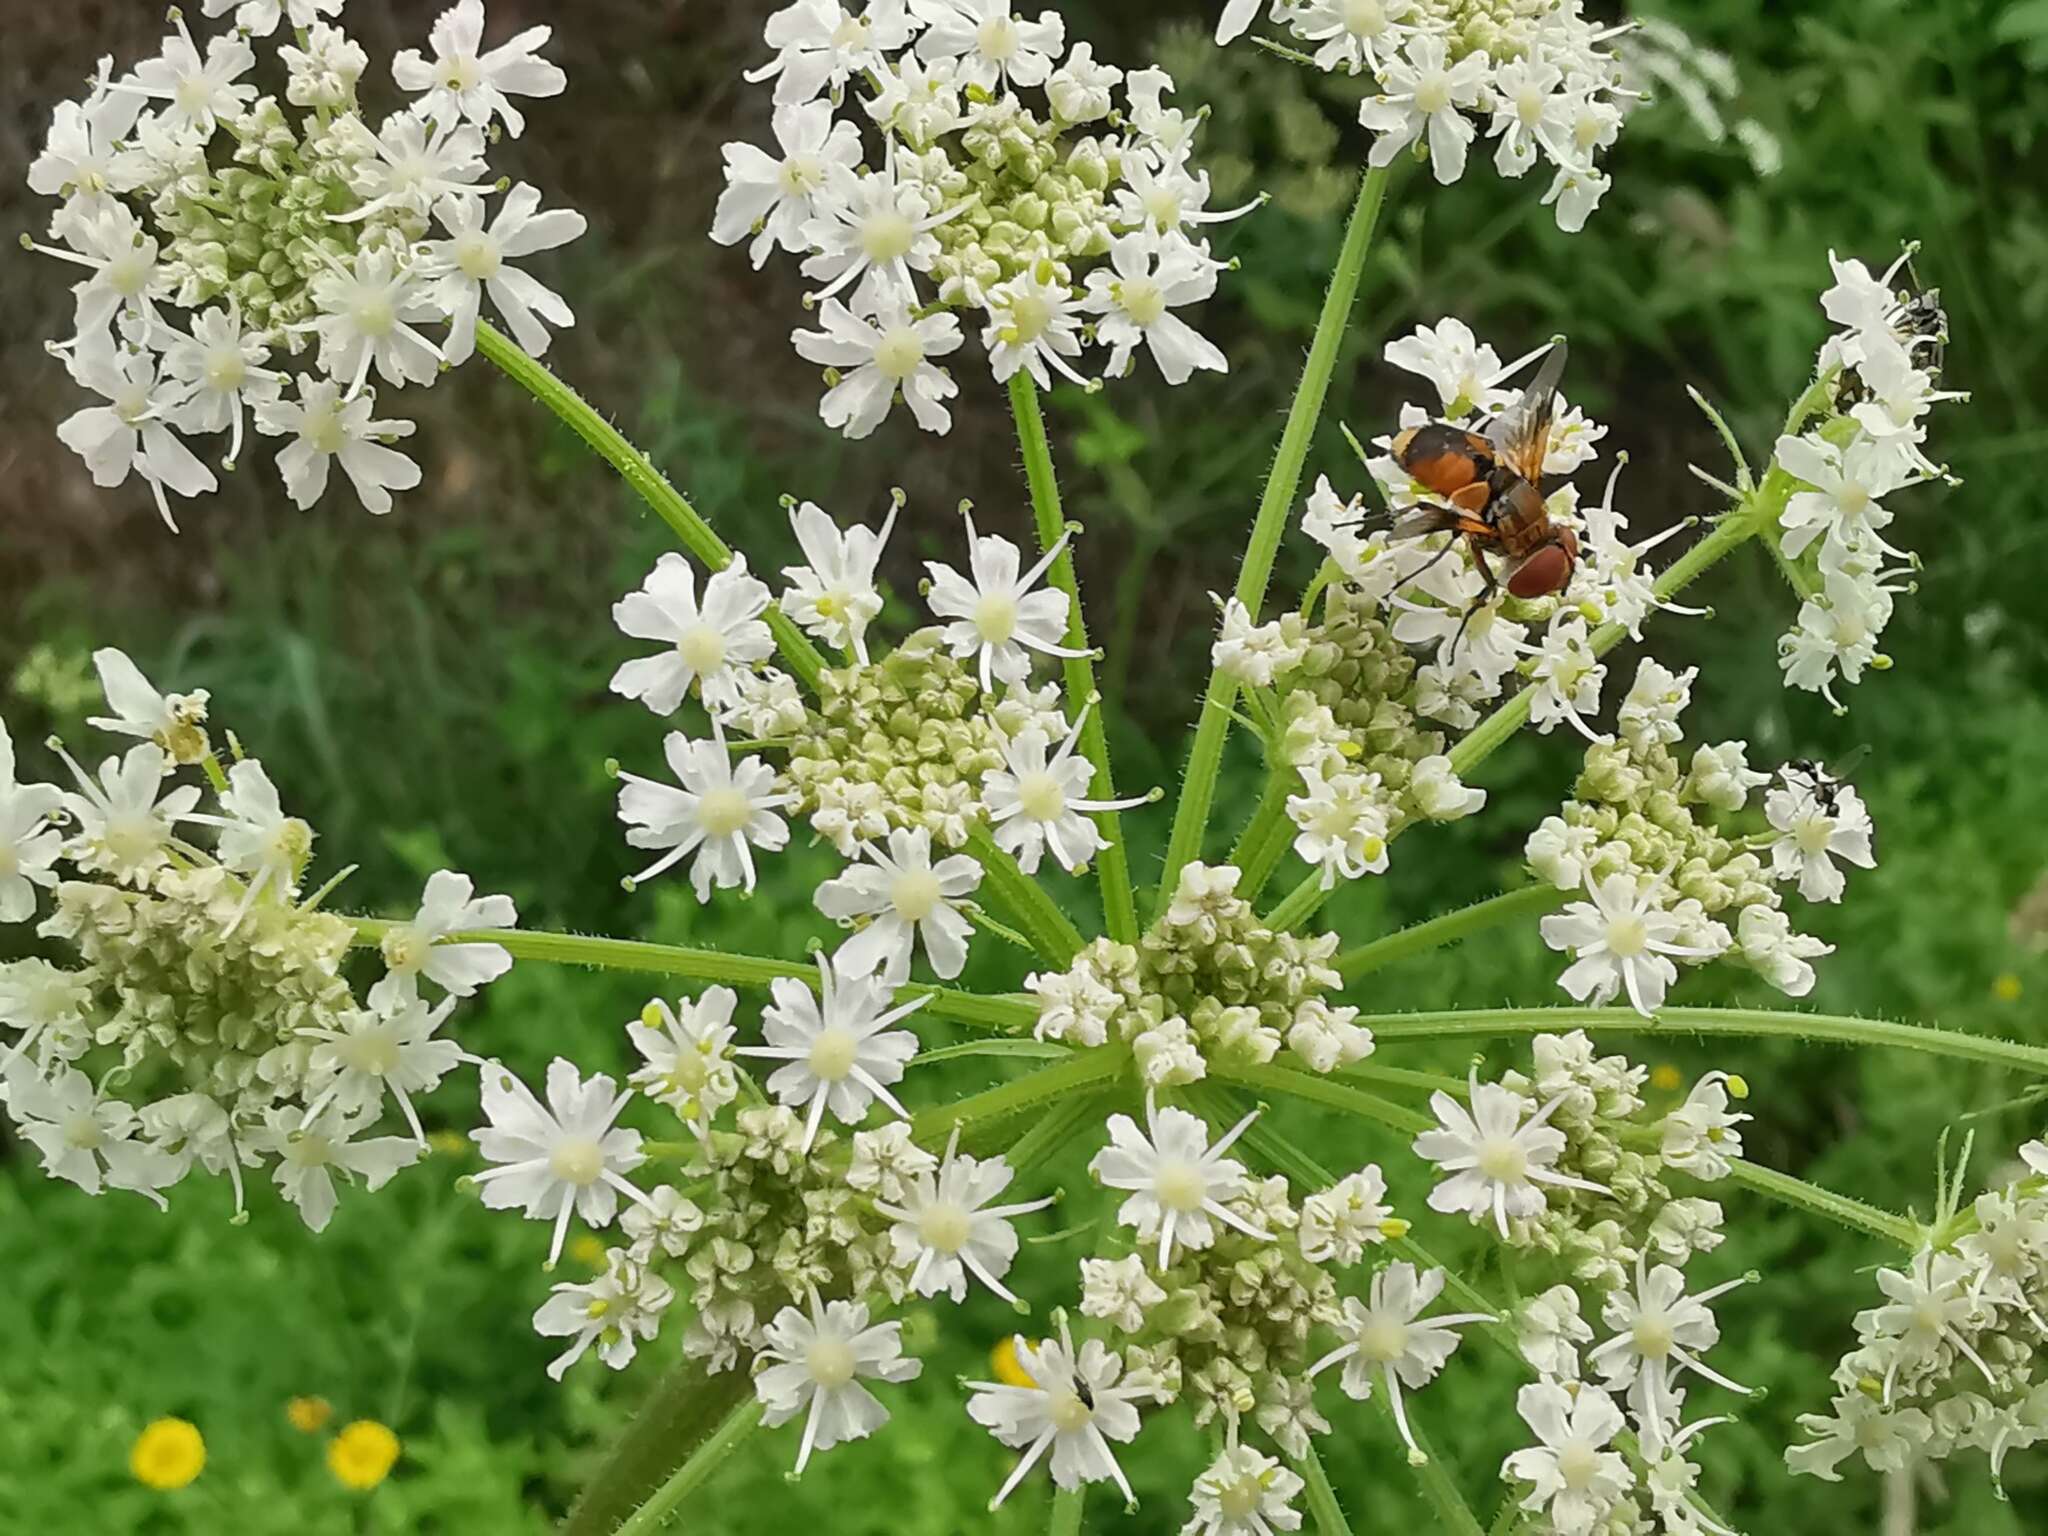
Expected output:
(817, 1363)
(836, 1045)
(1357, 36)
(889, 354)
(260, 18)
(461, 81)
(1722, 778)
(376, 1049)
(331, 430)
(1035, 801)
(1819, 821)
(1343, 824)
(834, 596)
(1649, 715)
(1164, 199)
(413, 949)
(1777, 953)
(1659, 1333)
(221, 366)
(1136, 295)
(1079, 90)
(1622, 940)
(1495, 1162)
(370, 311)
(945, 1228)
(915, 101)
(1847, 483)
(1533, 109)
(309, 1149)
(1567, 677)
(615, 1312)
(78, 155)
(1576, 1481)
(723, 811)
(1549, 1330)
(130, 433)
(1888, 1441)
(1575, 192)
(1255, 653)
(1237, 18)
(324, 72)
(29, 844)
(874, 222)
(84, 1138)
(688, 1055)
(1034, 322)
(907, 900)
(821, 44)
(997, 616)
(1699, 1135)
(1467, 372)
(473, 261)
(710, 643)
(664, 1222)
(1074, 1407)
(1562, 854)
(562, 1158)
(257, 840)
(1243, 1493)
(1177, 1182)
(1119, 1291)
(124, 830)
(1339, 1223)
(127, 278)
(409, 164)
(770, 199)
(1422, 91)
(1837, 629)
(885, 1160)
(1439, 793)
(993, 46)
(1390, 1336)
(196, 92)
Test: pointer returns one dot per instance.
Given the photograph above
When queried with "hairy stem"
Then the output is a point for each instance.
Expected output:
(1301, 903)
(1449, 929)
(1082, 1071)
(1825, 1202)
(648, 483)
(1113, 867)
(1316, 1089)
(1454, 1516)
(691, 1475)
(1205, 757)
(1323, 1507)
(1051, 931)
(1263, 843)
(680, 1418)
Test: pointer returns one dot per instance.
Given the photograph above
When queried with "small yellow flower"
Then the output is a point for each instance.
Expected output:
(308, 1415)
(588, 1250)
(1009, 1370)
(168, 1454)
(361, 1456)
(1666, 1078)
(449, 1143)
(2006, 988)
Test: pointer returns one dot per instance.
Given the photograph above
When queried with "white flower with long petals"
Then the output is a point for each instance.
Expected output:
(370, 313)
(310, 1149)
(1423, 92)
(1567, 677)
(267, 848)
(375, 1051)
(221, 365)
(1035, 801)
(124, 829)
(413, 948)
(1844, 504)
(1466, 371)
(1771, 948)
(1136, 295)
(85, 1137)
(327, 430)
(196, 92)
(127, 278)
(1339, 1223)
(1659, 1334)
(465, 80)
(945, 1229)
(833, 595)
(410, 165)
(711, 643)
(875, 223)
(821, 44)
(173, 721)
(768, 200)
(1357, 36)
(1243, 1493)
(1034, 325)
(1176, 1181)
(993, 46)
(816, 1363)
(1390, 1337)
(131, 432)
(1343, 824)
(1622, 940)
(1495, 1162)
(906, 900)
(688, 1055)
(723, 811)
(29, 843)
(473, 262)
(77, 159)
(566, 1157)
(836, 1046)
(1168, 198)
(617, 1311)
(882, 352)
(1575, 1480)
(1818, 820)
(999, 615)
(1074, 1407)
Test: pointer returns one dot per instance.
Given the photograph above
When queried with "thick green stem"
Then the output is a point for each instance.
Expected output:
(1050, 1131)
(682, 1414)
(692, 1474)
(1051, 931)
(1113, 867)
(1301, 903)
(1323, 1507)
(1065, 1519)
(1514, 906)
(1829, 1028)
(647, 482)
(711, 965)
(1082, 1071)
(1263, 843)
(1453, 1514)
(1205, 758)
(1317, 1089)
(1825, 1202)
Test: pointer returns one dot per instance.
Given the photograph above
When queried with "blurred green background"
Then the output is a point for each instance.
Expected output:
(429, 689)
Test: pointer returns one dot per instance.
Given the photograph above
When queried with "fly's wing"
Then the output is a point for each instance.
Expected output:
(1415, 522)
(1521, 434)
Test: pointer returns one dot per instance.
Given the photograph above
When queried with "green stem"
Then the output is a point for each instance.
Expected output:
(1005, 1013)
(680, 1414)
(1051, 931)
(1263, 843)
(647, 482)
(1830, 1028)
(691, 1475)
(1065, 1519)
(1825, 1202)
(1113, 868)
(1205, 758)
(1313, 1088)
(1513, 906)
(1084, 1070)
(1300, 904)
(1322, 1498)
(1452, 1512)
(1050, 1131)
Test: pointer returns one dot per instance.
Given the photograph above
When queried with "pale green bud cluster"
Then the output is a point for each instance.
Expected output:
(196, 1001)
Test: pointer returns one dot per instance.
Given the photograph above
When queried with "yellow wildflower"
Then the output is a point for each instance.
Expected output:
(2006, 988)
(308, 1415)
(361, 1456)
(1003, 1358)
(168, 1454)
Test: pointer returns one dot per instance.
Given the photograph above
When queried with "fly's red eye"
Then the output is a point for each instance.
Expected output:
(1544, 572)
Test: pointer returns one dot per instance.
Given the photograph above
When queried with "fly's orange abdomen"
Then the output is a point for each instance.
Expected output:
(1446, 459)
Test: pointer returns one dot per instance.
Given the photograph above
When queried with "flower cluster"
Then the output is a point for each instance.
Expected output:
(1532, 74)
(1884, 366)
(276, 226)
(208, 1023)
(1207, 984)
(1653, 844)
(1059, 220)
(1951, 1361)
